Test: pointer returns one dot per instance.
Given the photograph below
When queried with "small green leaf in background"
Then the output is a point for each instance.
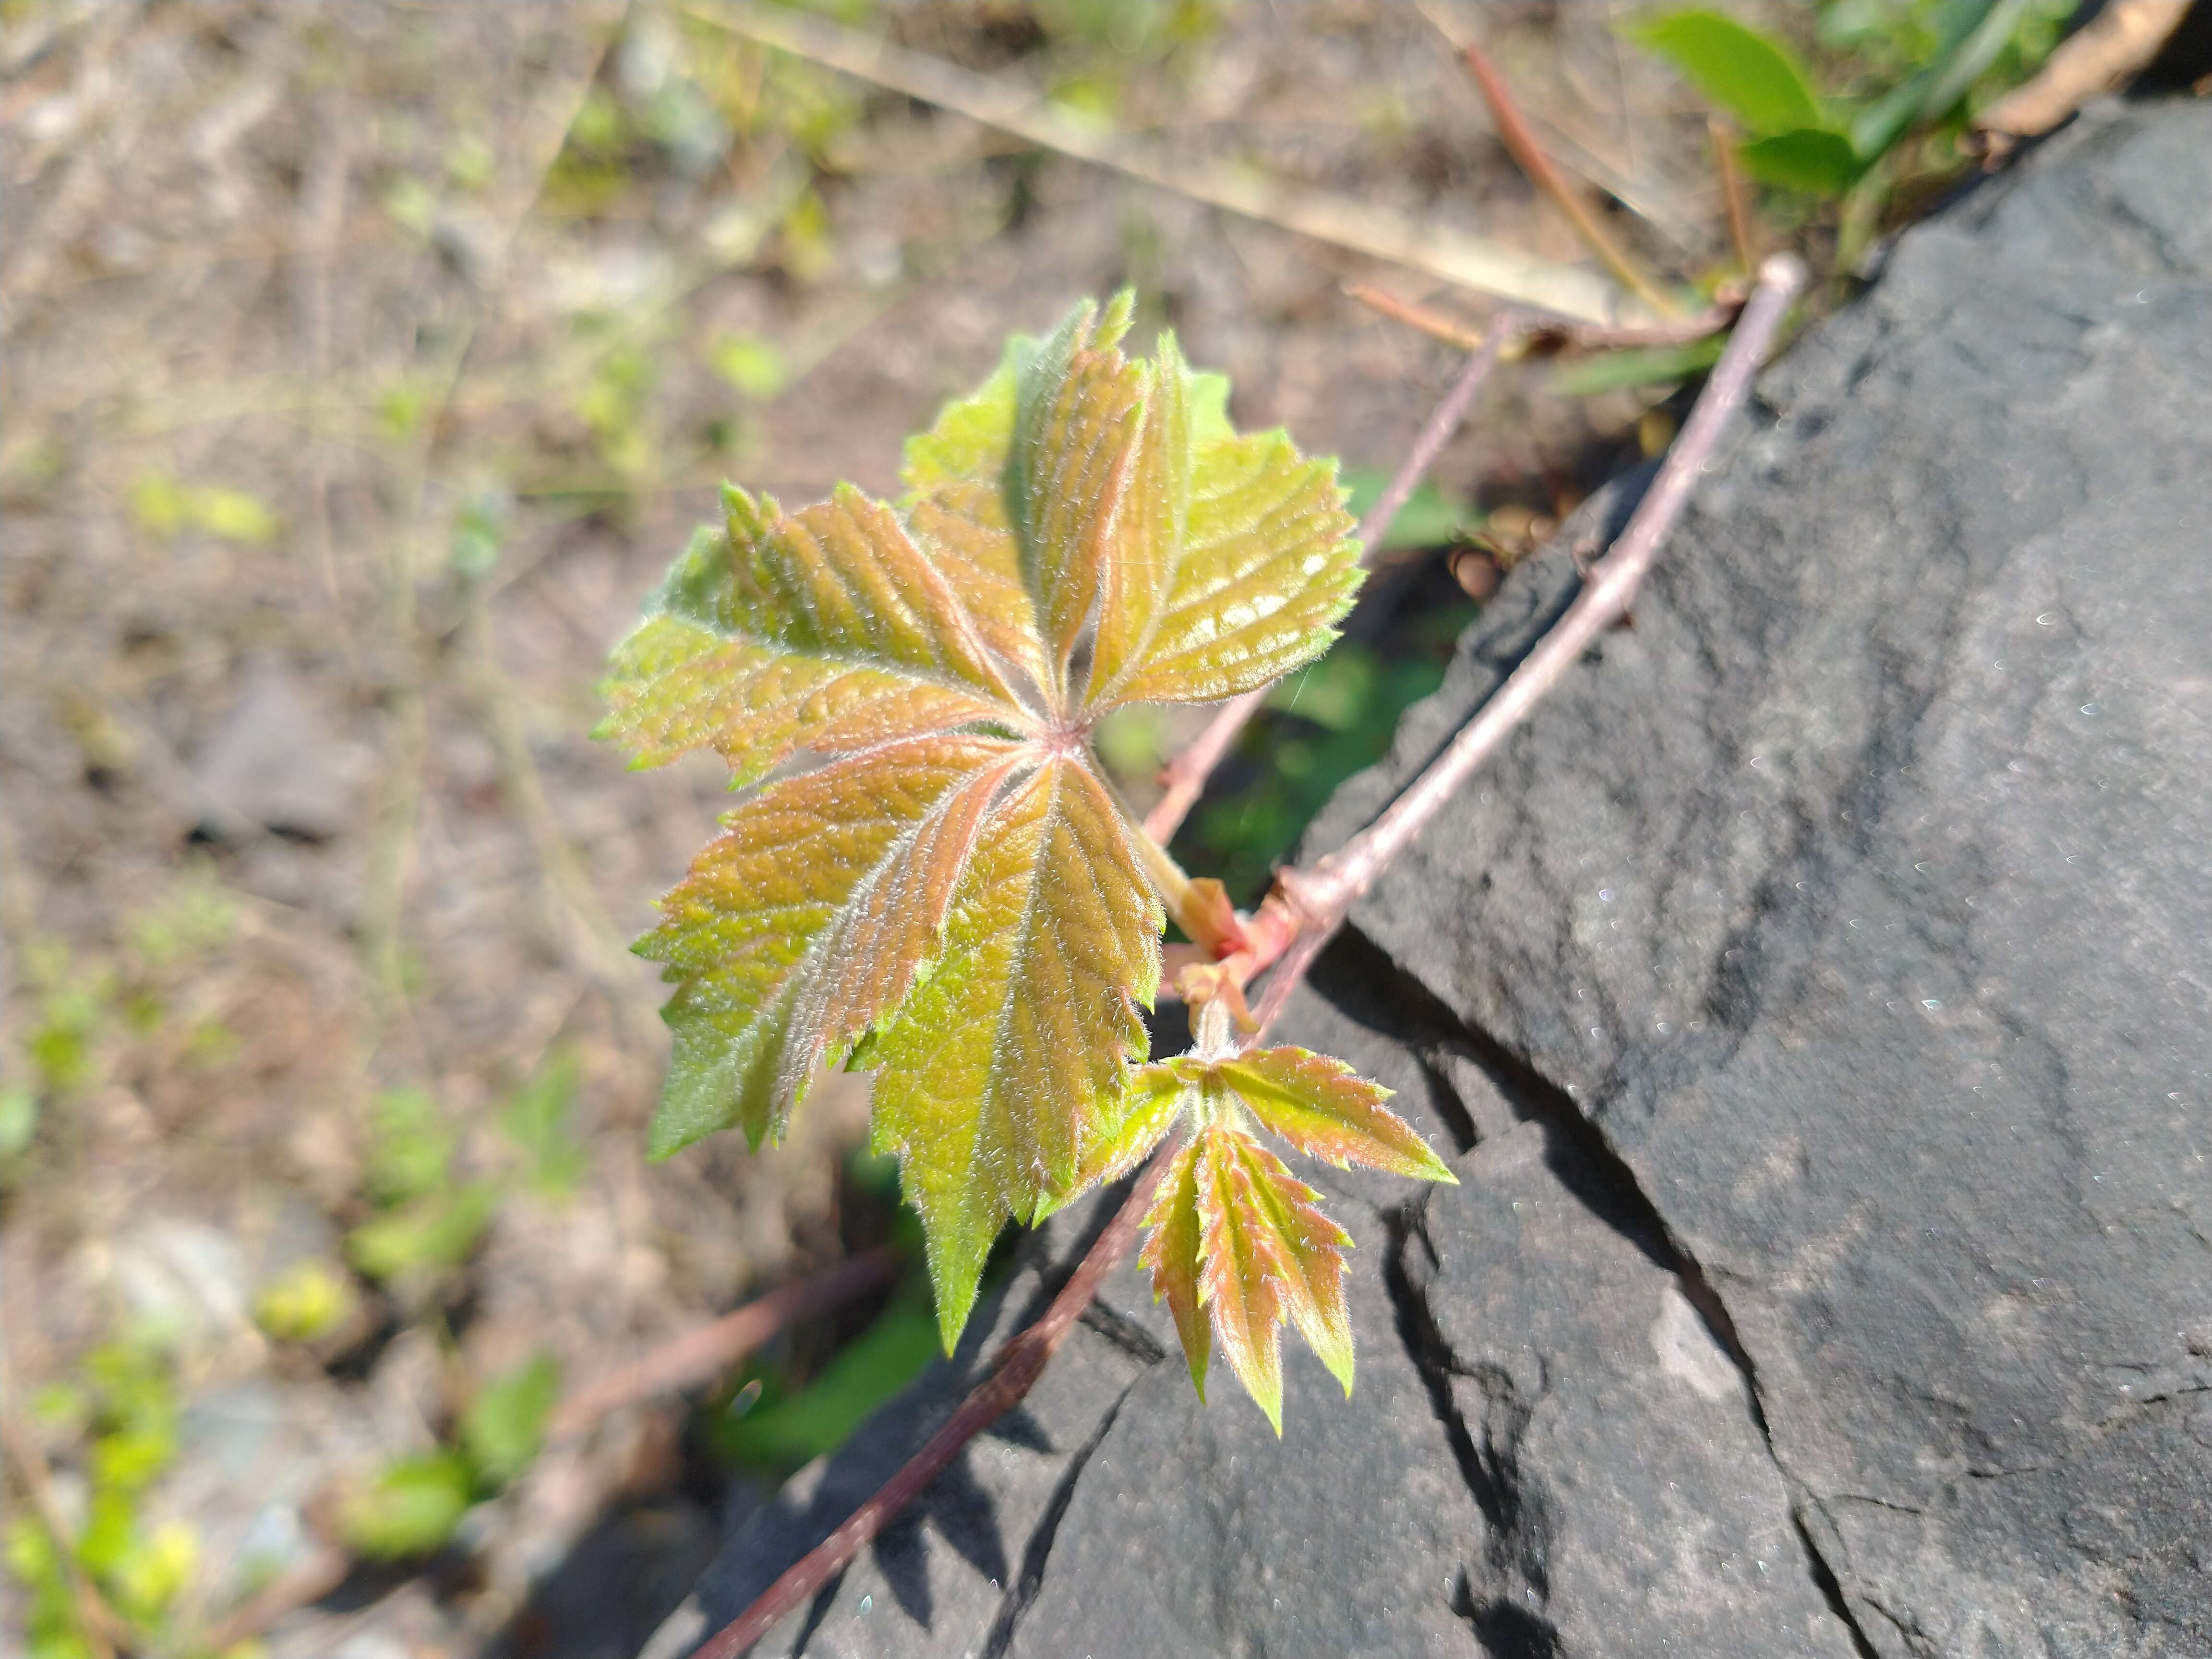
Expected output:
(233, 514)
(505, 1425)
(821, 1416)
(751, 365)
(538, 1120)
(1636, 365)
(1974, 33)
(165, 508)
(149, 1571)
(1429, 519)
(1751, 77)
(441, 1230)
(19, 1117)
(1133, 741)
(480, 532)
(411, 1508)
(411, 1146)
(306, 1303)
(410, 203)
(196, 917)
(51, 1629)
(1815, 161)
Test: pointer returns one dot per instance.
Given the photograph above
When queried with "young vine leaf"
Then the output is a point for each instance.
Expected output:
(956, 901)
(1237, 1245)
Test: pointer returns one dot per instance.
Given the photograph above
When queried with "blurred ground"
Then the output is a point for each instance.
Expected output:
(365, 364)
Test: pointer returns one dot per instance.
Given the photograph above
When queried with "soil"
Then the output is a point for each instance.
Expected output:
(360, 381)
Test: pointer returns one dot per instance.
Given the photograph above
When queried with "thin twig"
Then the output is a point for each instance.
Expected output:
(1013, 1373)
(1321, 898)
(1187, 774)
(700, 1354)
(1471, 261)
(1434, 323)
(1514, 132)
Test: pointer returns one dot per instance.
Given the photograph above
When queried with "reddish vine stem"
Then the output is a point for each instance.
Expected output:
(1319, 898)
(1319, 901)
(1013, 1373)
(1187, 774)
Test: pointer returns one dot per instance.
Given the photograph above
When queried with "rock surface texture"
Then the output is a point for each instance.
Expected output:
(1817, 995)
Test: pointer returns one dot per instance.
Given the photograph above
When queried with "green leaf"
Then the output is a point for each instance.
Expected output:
(505, 1425)
(412, 1507)
(1004, 1064)
(1428, 518)
(1139, 1122)
(821, 1417)
(412, 1147)
(1077, 407)
(1751, 77)
(1814, 161)
(19, 1117)
(1978, 31)
(808, 921)
(1324, 1108)
(441, 1230)
(536, 1119)
(828, 628)
(1267, 1256)
(752, 365)
(1635, 366)
(956, 901)
(1173, 1250)
(304, 1304)
(1266, 566)
(966, 443)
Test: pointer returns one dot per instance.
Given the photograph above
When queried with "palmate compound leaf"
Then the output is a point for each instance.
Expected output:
(1236, 1243)
(956, 901)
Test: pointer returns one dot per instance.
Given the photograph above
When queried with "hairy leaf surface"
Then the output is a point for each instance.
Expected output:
(1328, 1110)
(1264, 1252)
(1006, 1064)
(753, 935)
(1266, 1255)
(1173, 1243)
(957, 901)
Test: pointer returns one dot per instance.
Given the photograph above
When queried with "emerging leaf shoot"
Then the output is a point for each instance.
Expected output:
(1237, 1245)
(956, 901)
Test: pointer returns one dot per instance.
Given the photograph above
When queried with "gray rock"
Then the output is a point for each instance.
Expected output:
(1152, 1524)
(1816, 991)
(275, 762)
(1858, 896)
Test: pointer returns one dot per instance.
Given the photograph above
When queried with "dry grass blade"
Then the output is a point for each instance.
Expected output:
(1732, 196)
(1470, 261)
(1514, 132)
